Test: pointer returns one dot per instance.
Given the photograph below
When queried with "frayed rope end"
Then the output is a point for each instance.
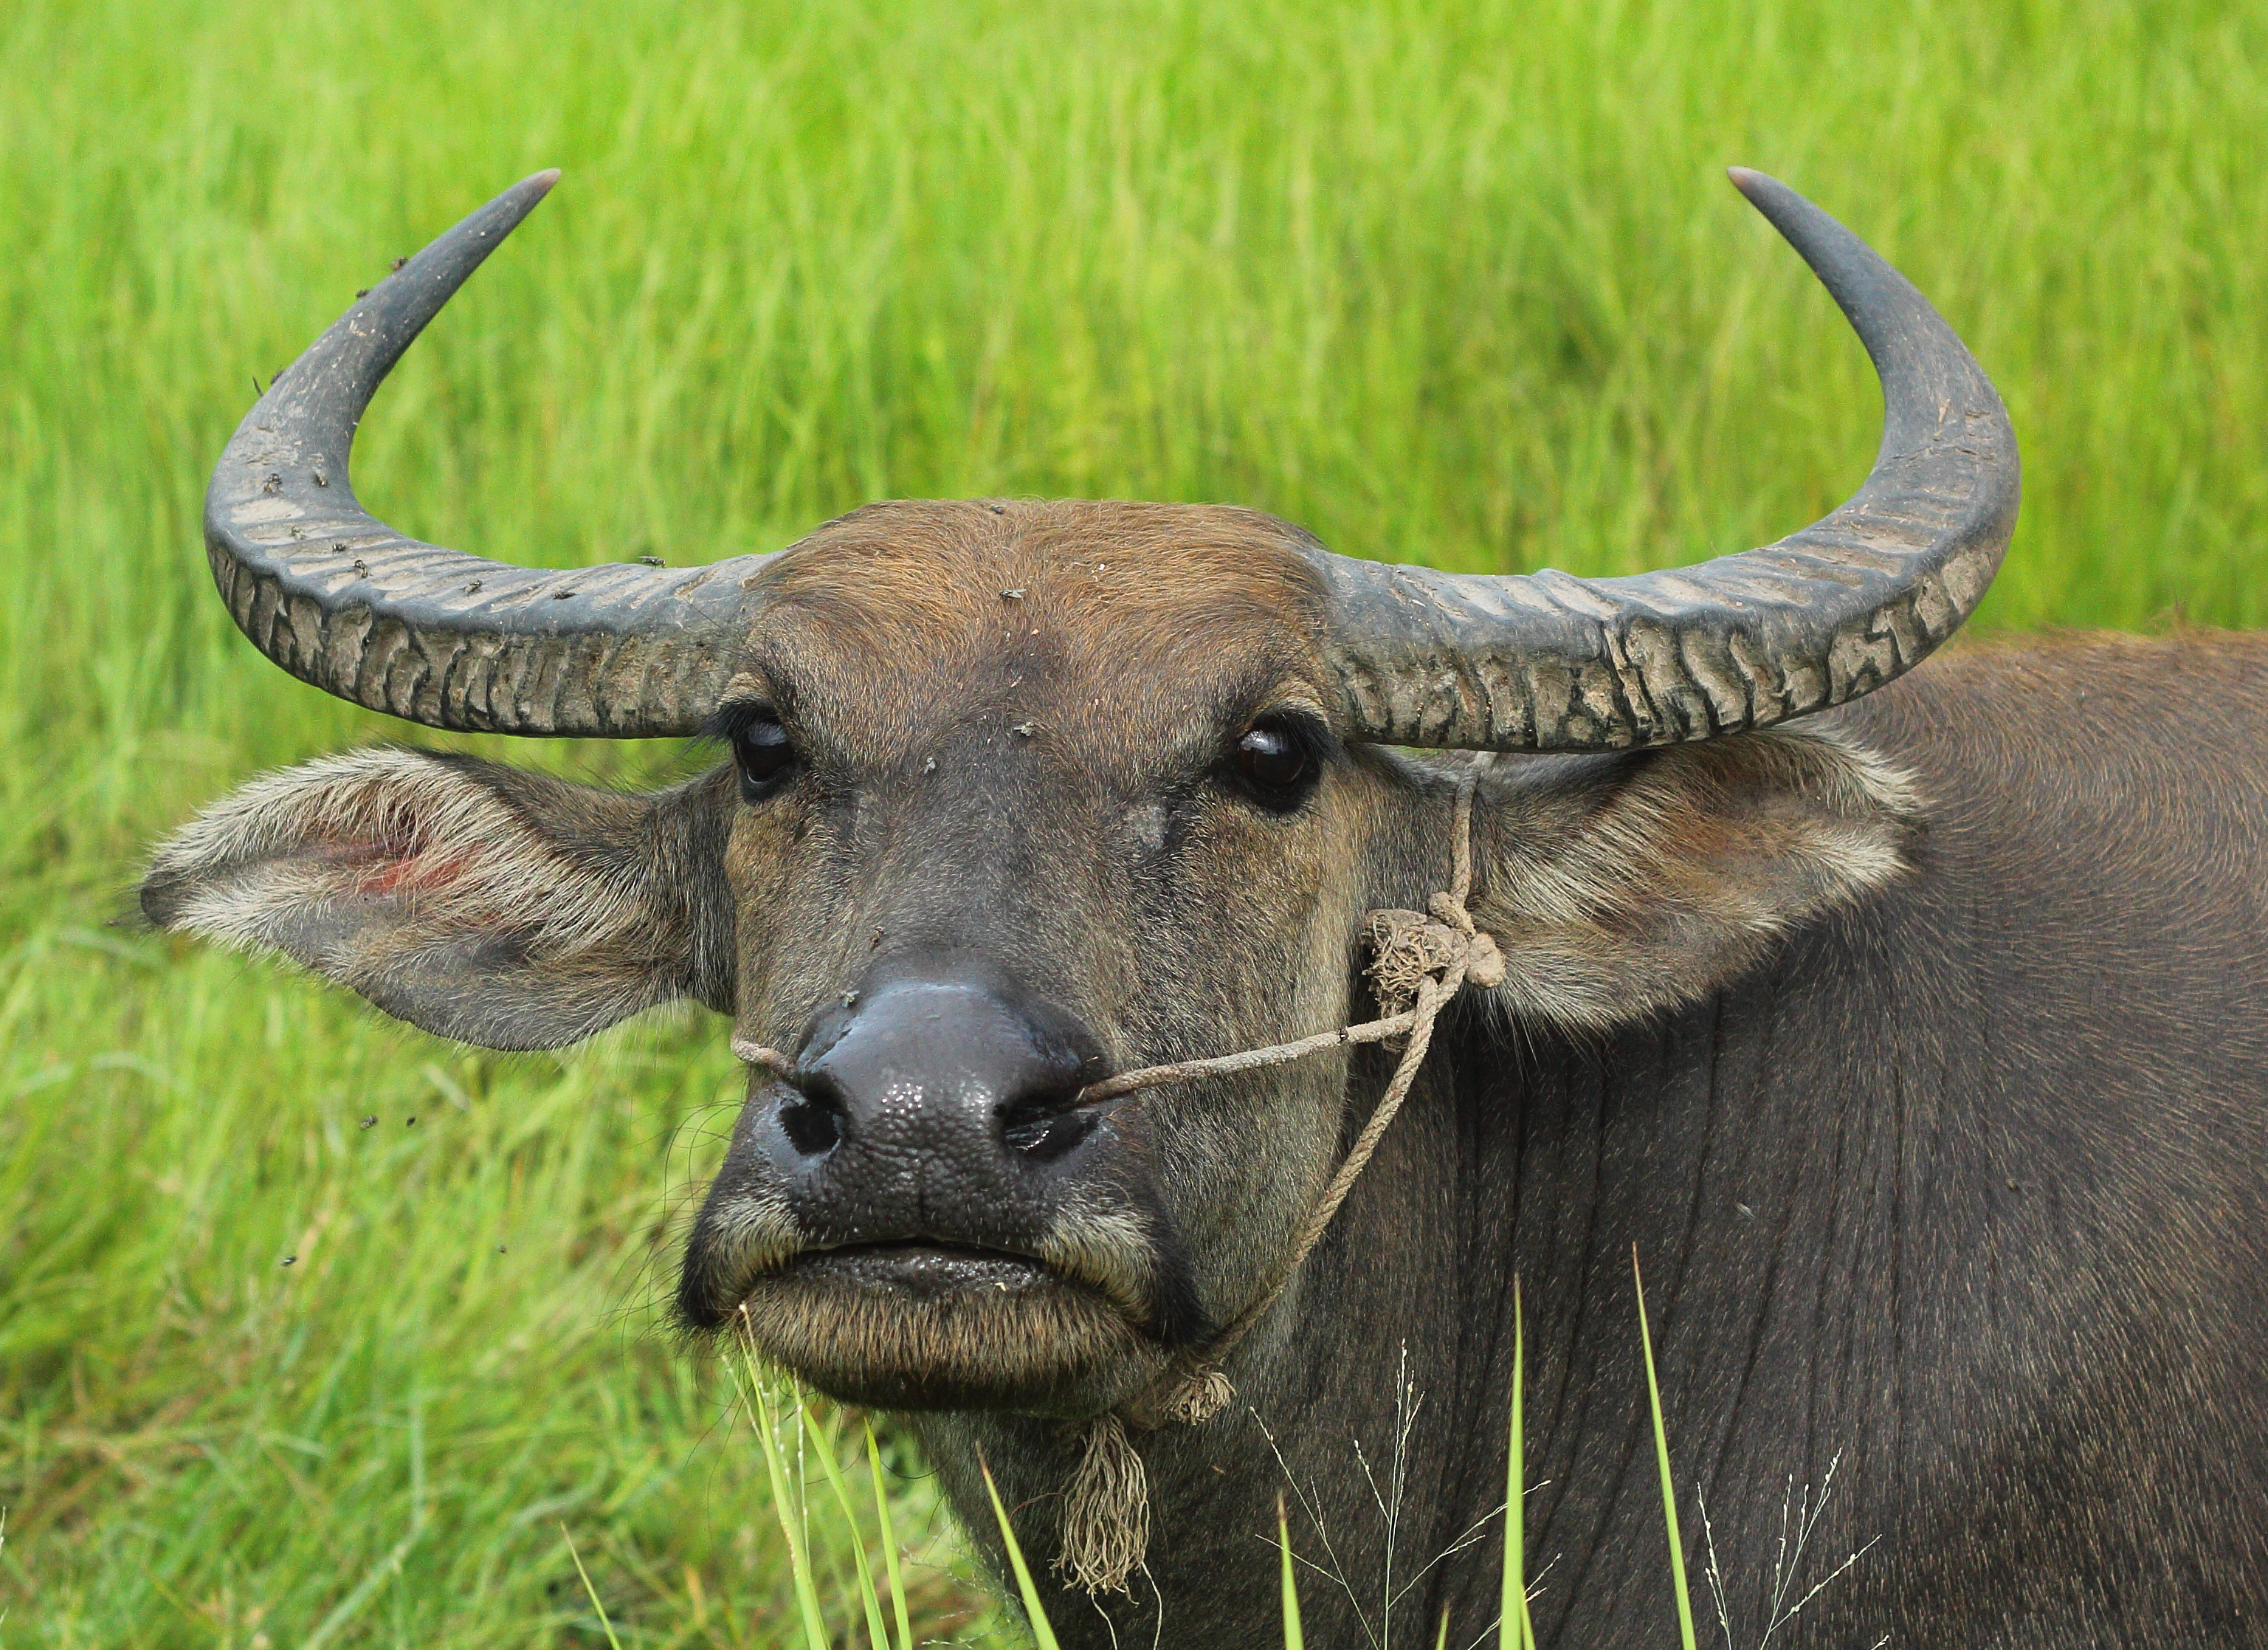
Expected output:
(1106, 1519)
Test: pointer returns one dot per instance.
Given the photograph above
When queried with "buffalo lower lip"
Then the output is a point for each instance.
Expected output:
(922, 1327)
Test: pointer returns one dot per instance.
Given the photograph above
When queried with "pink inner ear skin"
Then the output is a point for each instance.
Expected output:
(412, 873)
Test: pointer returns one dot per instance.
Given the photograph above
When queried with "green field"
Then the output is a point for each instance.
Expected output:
(1458, 283)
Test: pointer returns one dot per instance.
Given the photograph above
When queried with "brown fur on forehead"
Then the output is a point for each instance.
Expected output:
(1115, 599)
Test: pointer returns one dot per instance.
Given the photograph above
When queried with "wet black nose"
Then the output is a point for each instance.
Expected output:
(940, 1080)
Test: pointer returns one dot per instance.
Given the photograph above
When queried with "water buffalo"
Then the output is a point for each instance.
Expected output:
(1917, 1044)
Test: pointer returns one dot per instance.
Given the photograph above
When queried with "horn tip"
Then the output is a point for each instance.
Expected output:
(510, 210)
(1754, 184)
(528, 193)
(1797, 219)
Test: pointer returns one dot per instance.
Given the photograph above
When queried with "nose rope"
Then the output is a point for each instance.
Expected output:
(1416, 958)
(1418, 962)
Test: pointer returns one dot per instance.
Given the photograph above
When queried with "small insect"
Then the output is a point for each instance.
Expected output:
(876, 940)
(362, 568)
(997, 510)
(370, 1122)
(500, 1249)
(289, 1260)
(362, 291)
(409, 1123)
(929, 766)
(321, 480)
(653, 561)
(561, 595)
(1746, 1214)
(275, 482)
(396, 265)
(1012, 595)
(473, 587)
(850, 999)
(1025, 730)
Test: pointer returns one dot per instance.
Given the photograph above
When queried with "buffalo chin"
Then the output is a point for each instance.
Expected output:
(922, 1328)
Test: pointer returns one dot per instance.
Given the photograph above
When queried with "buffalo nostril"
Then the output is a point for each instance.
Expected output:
(811, 1130)
(813, 1121)
(1048, 1129)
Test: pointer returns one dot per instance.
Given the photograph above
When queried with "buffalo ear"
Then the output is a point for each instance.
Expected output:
(1621, 886)
(485, 903)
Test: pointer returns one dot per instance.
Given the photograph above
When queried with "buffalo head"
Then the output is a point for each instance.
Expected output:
(1022, 794)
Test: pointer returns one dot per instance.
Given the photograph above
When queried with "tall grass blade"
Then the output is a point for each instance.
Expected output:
(757, 1400)
(1661, 1457)
(1514, 1628)
(590, 1592)
(890, 1543)
(869, 1599)
(1293, 1638)
(1043, 1634)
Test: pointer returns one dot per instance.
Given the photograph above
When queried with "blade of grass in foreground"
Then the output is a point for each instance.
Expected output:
(1043, 1634)
(592, 1592)
(890, 1543)
(1514, 1630)
(1661, 1456)
(759, 1412)
(869, 1599)
(1293, 1640)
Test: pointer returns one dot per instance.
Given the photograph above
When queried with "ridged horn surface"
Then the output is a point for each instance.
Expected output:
(437, 636)
(1547, 661)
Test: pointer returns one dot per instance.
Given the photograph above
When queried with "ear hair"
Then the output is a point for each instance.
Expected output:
(491, 904)
(1621, 886)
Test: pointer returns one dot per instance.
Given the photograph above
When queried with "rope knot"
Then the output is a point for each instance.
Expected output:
(1200, 1398)
(1407, 948)
(1484, 962)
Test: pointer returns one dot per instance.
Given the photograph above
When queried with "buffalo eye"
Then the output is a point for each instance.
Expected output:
(765, 753)
(1272, 759)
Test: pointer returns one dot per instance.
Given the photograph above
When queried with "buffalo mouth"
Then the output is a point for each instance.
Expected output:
(922, 1324)
(925, 1270)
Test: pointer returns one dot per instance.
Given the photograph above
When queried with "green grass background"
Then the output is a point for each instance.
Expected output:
(1456, 283)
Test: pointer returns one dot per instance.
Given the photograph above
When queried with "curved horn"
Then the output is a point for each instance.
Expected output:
(340, 600)
(1546, 661)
